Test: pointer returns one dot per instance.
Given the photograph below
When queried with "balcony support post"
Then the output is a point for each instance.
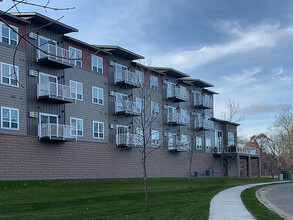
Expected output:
(249, 166)
(259, 167)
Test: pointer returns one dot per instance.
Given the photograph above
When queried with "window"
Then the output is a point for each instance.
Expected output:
(76, 90)
(155, 137)
(8, 36)
(208, 144)
(231, 139)
(139, 75)
(76, 56)
(98, 130)
(155, 108)
(9, 118)
(198, 143)
(97, 64)
(172, 140)
(8, 76)
(97, 95)
(139, 104)
(197, 98)
(219, 140)
(154, 83)
(76, 125)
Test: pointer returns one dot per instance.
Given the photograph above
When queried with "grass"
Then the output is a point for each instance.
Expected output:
(112, 198)
(259, 211)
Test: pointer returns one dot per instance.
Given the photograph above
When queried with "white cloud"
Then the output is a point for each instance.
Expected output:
(243, 40)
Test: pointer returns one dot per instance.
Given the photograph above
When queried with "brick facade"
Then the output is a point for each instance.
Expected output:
(25, 157)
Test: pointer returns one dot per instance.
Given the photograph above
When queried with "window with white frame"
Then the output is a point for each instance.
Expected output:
(98, 130)
(9, 118)
(154, 82)
(75, 55)
(9, 74)
(155, 137)
(97, 64)
(76, 90)
(231, 140)
(8, 36)
(76, 125)
(208, 144)
(198, 143)
(139, 75)
(155, 108)
(97, 95)
(139, 104)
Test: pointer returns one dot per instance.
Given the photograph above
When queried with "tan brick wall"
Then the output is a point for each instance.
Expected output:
(25, 157)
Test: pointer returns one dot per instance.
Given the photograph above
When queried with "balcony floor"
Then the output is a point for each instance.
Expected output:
(176, 99)
(54, 99)
(56, 139)
(52, 62)
(126, 84)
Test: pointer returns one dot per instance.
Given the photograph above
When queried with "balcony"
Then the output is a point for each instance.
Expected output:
(177, 95)
(128, 140)
(54, 57)
(126, 108)
(179, 146)
(201, 124)
(55, 93)
(127, 78)
(178, 119)
(202, 102)
(244, 151)
(56, 132)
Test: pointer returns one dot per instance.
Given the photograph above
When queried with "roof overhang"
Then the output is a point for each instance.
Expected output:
(122, 52)
(198, 82)
(13, 17)
(210, 92)
(224, 121)
(147, 68)
(41, 20)
(171, 72)
(86, 45)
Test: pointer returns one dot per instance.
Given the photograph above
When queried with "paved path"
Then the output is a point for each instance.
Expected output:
(279, 199)
(227, 204)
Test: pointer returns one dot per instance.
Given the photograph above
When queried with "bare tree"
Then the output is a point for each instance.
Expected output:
(148, 123)
(233, 110)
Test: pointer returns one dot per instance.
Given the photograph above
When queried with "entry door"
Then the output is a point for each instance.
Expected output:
(48, 45)
(219, 140)
(170, 89)
(49, 125)
(48, 85)
(171, 114)
(120, 72)
(121, 100)
(122, 134)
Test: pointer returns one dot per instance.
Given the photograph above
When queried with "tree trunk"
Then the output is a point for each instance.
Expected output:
(146, 194)
(189, 173)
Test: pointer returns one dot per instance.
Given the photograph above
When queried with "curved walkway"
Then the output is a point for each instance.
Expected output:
(227, 204)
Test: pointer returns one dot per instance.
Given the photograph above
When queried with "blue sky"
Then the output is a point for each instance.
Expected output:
(242, 47)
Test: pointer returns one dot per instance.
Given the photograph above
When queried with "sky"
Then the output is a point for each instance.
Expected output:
(243, 48)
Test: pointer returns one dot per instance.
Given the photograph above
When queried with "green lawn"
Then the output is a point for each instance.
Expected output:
(254, 206)
(111, 198)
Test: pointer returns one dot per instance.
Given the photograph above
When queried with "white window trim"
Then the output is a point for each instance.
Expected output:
(92, 63)
(155, 106)
(155, 131)
(74, 61)
(10, 74)
(98, 88)
(196, 146)
(99, 122)
(15, 109)
(156, 87)
(72, 81)
(9, 37)
(80, 119)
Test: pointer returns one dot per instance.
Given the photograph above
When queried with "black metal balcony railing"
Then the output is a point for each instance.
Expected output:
(128, 140)
(236, 149)
(178, 119)
(128, 78)
(177, 95)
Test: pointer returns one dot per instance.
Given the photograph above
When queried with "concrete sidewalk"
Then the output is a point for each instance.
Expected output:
(227, 204)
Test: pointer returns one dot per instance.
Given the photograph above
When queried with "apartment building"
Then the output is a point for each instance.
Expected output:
(70, 109)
